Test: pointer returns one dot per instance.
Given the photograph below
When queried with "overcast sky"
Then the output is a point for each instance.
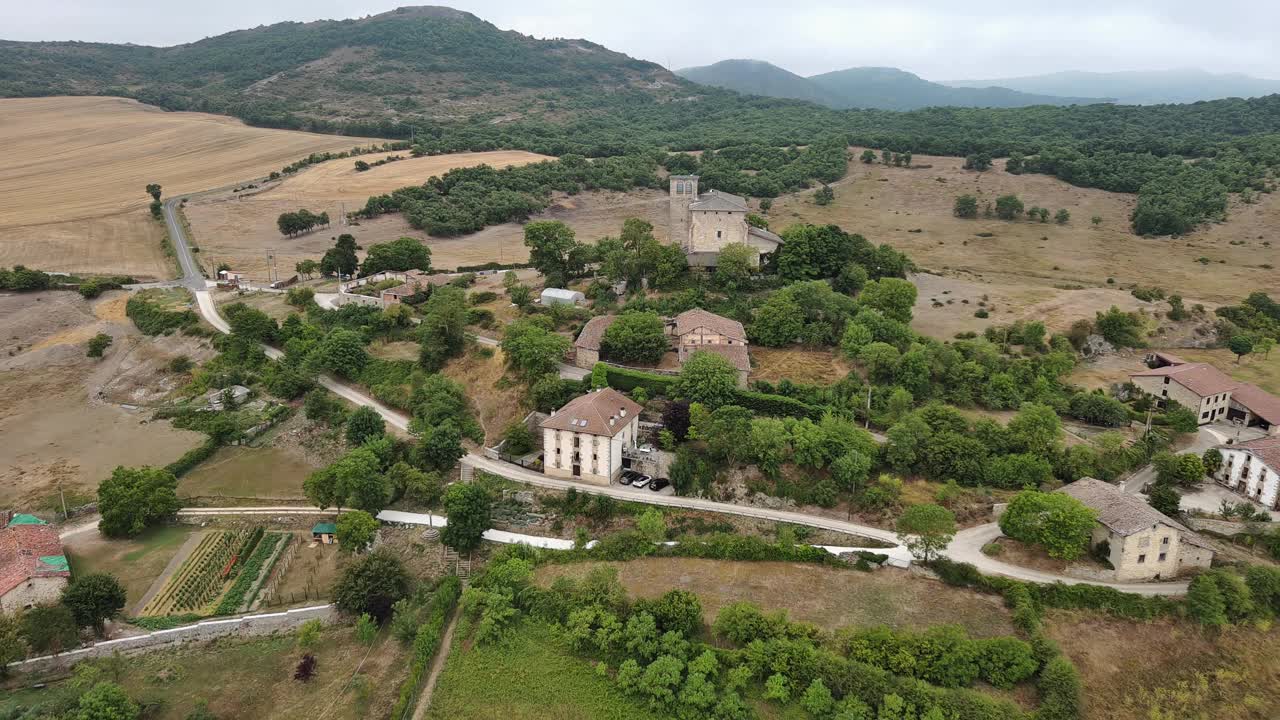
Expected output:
(937, 39)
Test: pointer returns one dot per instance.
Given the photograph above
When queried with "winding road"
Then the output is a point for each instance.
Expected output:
(966, 547)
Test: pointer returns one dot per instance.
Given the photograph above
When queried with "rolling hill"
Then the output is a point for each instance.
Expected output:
(360, 76)
(1138, 87)
(867, 87)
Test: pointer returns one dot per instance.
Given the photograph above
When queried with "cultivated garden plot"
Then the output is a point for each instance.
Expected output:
(220, 575)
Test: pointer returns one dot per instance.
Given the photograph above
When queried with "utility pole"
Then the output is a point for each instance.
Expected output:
(867, 423)
(64, 501)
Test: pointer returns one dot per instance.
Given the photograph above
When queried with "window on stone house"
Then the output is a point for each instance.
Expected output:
(1142, 559)
(1163, 556)
(1164, 540)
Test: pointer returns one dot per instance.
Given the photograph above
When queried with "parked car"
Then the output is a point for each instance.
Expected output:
(659, 484)
(628, 477)
(641, 481)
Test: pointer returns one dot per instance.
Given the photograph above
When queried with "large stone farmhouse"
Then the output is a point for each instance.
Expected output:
(1253, 469)
(33, 569)
(690, 331)
(703, 223)
(585, 439)
(1210, 393)
(1143, 543)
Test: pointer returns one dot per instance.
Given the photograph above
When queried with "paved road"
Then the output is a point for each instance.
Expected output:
(1206, 437)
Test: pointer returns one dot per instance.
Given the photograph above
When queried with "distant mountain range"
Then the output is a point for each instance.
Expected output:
(1137, 87)
(866, 87)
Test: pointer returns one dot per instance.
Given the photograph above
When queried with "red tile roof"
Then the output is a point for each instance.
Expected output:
(592, 413)
(1267, 449)
(593, 332)
(690, 320)
(1200, 378)
(1259, 401)
(21, 547)
(737, 355)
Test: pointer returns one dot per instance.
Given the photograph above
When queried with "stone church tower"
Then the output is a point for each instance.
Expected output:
(684, 190)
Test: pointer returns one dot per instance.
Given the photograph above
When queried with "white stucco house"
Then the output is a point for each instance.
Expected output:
(585, 439)
(1252, 469)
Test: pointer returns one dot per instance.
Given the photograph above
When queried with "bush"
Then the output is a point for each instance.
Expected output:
(625, 380)
(152, 319)
(1056, 521)
(1005, 661)
(427, 641)
(1059, 687)
(98, 345)
(372, 584)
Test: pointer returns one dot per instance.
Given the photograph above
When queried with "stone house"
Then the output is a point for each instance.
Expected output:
(585, 439)
(704, 222)
(587, 346)
(33, 569)
(1210, 393)
(1252, 469)
(1143, 543)
(696, 329)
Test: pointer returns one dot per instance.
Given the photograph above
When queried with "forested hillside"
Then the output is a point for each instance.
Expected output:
(454, 82)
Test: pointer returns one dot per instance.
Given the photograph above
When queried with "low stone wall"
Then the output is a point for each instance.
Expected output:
(247, 626)
(1228, 528)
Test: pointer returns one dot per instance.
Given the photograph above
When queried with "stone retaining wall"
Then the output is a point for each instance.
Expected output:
(247, 626)
(1229, 528)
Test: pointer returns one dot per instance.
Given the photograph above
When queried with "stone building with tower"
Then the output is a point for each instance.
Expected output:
(704, 222)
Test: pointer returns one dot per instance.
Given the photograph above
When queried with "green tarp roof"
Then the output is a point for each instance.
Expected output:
(55, 562)
(324, 529)
(24, 519)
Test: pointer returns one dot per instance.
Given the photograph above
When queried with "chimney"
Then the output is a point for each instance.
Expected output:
(611, 421)
(622, 412)
(553, 412)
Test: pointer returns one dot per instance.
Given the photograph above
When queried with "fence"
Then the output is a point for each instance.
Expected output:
(267, 594)
(246, 626)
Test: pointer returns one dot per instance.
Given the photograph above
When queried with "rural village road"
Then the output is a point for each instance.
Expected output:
(966, 547)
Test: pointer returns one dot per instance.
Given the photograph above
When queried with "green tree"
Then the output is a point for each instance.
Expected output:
(439, 446)
(363, 425)
(892, 296)
(443, 329)
(777, 688)
(778, 322)
(106, 701)
(1211, 461)
(553, 251)
(306, 268)
(93, 599)
(341, 258)
(1264, 345)
(98, 344)
(468, 508)
(356, 529)
(13, 646)
(636, 337)
(1164, 498)
(521, 295)
(868, 156)
(372, 584)
(403, 254)
(532, 350)
(1008, 207)
(1036, 429)
(926, 529)
(48, 628)
(735, 265)
(1062, 216)
(1205, 603)
(817, 699)
(342, 352)
(824, 196)
(651, 525)
(1241, 345)
(154, 189)
(851, 279)
(966, 206)
(1058, 522)
(707, 378)
(133, 499)
(355, 480)
(1185, 470)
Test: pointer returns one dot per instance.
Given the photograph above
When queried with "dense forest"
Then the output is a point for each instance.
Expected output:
(452, 82)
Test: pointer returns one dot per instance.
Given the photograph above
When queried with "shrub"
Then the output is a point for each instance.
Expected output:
(426, 641)
(98, 345)
(1005, 661)
(1056, 521)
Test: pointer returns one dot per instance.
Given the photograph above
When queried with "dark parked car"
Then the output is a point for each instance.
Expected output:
(628, 477)
(659, 484)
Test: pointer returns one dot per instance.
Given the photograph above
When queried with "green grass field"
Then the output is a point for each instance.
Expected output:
(533, 677)
(251, 679)
(247, 472)
(136, 562)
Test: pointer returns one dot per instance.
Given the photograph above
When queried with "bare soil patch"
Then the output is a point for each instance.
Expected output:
(240, 228)
(801, 365)
(55, 215)
(827, 597)
(77, 418)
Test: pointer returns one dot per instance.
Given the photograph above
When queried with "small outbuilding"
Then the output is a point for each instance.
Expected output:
(561, 296)
(325, 533)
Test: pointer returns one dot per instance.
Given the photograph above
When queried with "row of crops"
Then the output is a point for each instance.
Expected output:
(202, 577)
(235, 597)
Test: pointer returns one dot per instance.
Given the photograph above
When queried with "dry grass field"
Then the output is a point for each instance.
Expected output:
(71, 191)
(239, 228)
(821, 367)
(1026, 268)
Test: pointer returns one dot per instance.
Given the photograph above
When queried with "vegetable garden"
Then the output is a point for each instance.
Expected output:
(201, 579)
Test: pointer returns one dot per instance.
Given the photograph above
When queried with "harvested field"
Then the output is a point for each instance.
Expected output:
(81, 418)
(136, 562)
(827, 597)
(56, 216)
(821, 367)
(238, 472)
(240, 228)
(1024, 264)
(1169, 669)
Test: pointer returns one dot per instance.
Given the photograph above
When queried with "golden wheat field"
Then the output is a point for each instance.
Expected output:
(72, 192)
(240, 227)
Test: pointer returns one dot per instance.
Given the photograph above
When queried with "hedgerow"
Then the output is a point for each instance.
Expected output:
(427, 641)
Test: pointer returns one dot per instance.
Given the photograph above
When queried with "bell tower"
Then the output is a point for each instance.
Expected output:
(684, 190)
